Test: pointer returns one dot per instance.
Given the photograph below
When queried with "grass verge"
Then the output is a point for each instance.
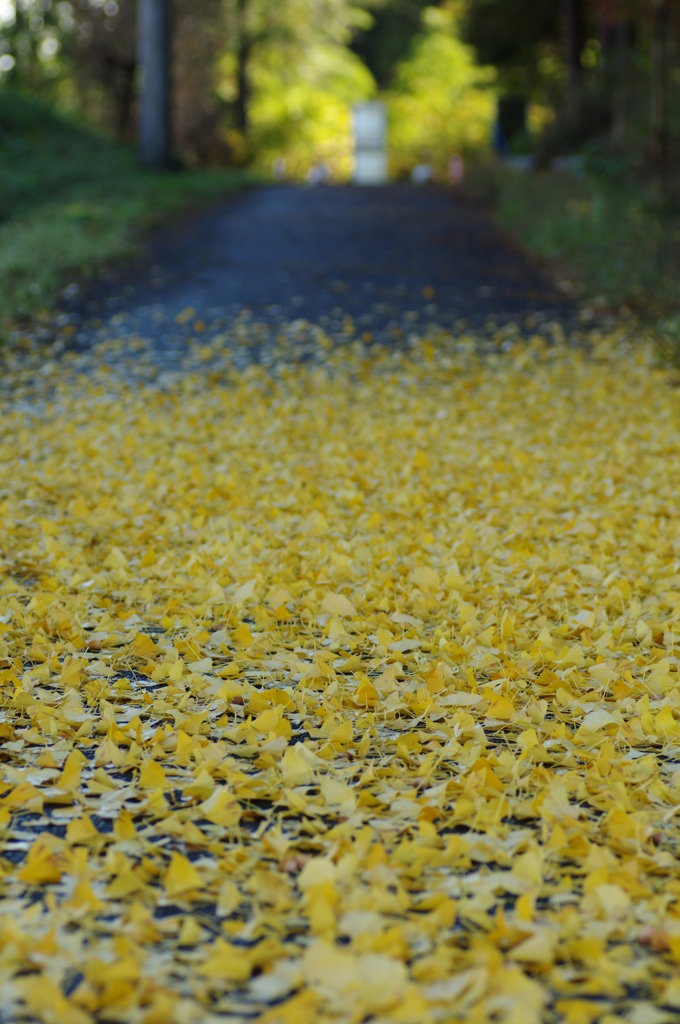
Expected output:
(71, 200)
(611, 241)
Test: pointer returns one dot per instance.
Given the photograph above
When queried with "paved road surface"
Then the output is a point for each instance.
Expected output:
(388, 257)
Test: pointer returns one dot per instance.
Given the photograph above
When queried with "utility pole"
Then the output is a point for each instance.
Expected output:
(153, 33)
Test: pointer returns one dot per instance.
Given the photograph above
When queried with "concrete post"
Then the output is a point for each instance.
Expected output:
(369, 121)
(153, 33)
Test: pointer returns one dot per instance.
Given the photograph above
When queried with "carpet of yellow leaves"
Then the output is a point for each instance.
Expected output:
(352, 695)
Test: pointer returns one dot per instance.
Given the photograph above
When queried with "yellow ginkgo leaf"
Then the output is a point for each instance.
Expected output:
(242, 636)
(70, 776)
(226, 963)
(337, 604)
(41, 865)
(143, 646)
(82, 830)
(181, 877)
(294, 769)
(152, 776)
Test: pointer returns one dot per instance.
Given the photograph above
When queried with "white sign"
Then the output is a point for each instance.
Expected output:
(369, 123)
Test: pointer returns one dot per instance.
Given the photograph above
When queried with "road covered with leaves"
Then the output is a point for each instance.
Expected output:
(347, 692)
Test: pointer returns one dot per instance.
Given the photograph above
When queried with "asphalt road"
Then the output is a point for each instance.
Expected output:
(390, 258)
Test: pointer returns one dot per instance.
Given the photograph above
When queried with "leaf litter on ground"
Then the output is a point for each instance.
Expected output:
(345, 694)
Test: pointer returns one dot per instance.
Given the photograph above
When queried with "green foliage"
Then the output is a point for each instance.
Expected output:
(31, 35)
(303, 114)
(385, 43)
(667, 338)
(610, 239)
(519, 37)
(302, 80)
(71, 200)
(441, 101)
(288, 64)
(42, 154)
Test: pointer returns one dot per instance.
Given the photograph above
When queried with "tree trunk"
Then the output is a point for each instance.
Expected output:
(620, 97)
(154, 69)
(571, 54)
(661, 25)
(574, 22)
(242, 59)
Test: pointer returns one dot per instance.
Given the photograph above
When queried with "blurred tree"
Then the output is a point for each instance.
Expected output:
(386, 42)
(575, 33)
(617, 26)
(587, 59)
(199, 114)
(288, 79)
(519, 37)
(102, 56)
(660, 40)
(254, 27)
(100, 66)
(244, 44)
(84, 52)
(651, 24)
(441, 102)
(30, 41)
(300, 113)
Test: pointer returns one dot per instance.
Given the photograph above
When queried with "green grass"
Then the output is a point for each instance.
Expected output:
(607, 239)
(71, 200)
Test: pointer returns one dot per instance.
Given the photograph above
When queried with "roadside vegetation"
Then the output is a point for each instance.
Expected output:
(71, 200)
(267, 86)
(608, 240)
